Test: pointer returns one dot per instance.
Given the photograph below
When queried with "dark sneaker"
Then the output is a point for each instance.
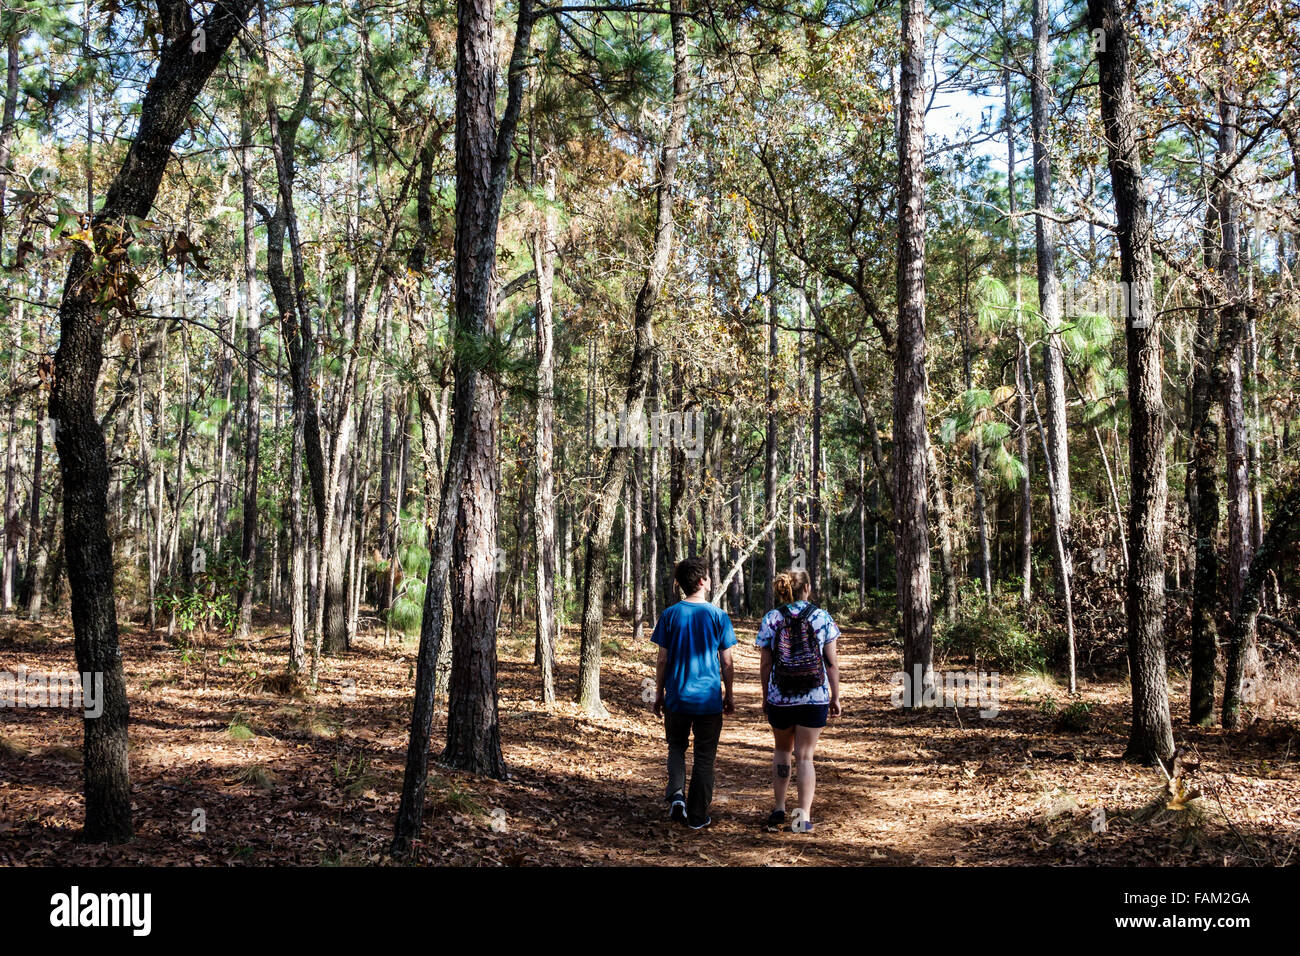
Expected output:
(677, 810)
(775, 820)
(700, 826)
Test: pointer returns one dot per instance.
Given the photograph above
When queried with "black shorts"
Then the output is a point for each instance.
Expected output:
(800, 715)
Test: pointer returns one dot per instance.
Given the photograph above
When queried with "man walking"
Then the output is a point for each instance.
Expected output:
(695, 641)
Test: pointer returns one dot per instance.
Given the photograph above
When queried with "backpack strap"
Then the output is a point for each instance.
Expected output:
(808, 610)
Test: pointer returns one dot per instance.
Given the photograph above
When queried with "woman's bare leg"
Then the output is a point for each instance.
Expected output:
(805, 742)
(784, 745)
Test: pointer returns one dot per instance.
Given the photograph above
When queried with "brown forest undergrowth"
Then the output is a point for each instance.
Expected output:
(310, 781)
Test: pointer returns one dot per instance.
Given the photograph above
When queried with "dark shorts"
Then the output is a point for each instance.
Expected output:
(801, 715)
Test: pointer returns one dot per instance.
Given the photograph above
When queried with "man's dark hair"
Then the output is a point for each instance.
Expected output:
(689, 573)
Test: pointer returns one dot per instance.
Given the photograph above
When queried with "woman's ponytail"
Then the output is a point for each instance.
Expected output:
(791, 586)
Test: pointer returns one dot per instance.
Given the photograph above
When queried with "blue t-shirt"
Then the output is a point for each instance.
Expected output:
(693, 633)
(825, 629)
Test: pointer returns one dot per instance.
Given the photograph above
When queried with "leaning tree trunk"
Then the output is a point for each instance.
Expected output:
(912, 537)
(593, 592)
(164, 113)
(1151, 736)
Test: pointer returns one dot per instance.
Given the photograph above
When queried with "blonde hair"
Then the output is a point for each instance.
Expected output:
(792, 585)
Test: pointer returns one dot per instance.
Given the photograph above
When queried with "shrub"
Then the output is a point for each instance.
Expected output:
(991, 634)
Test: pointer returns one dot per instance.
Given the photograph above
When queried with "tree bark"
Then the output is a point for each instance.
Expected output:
(483, 151)
(1151, 735)
(912, 537)
(164, 111)
(544, 493)
(473, 727)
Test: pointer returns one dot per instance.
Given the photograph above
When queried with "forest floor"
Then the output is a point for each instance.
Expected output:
(275, 779)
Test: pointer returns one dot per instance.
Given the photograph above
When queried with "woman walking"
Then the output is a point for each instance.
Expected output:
(801, 681)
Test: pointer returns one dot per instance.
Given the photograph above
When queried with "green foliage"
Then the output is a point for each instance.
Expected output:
(1076, 718)
(206, 600)
(993, 634)
(407, 608)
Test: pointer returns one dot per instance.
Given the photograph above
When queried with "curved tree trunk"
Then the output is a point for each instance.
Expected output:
(164, 111)
(616, 465)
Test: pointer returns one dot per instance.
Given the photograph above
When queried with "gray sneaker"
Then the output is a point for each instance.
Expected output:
(677, 809)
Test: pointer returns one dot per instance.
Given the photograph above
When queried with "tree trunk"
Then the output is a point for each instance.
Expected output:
(912, 537)
(1049, 301)
(773, 422)
(638, 379)
(33, 520)
(1203, 503)
(1151, 736)
(544, 493)
(473, 728)
(1228, 369)
(1025, 552)
(976, 469)
(815, 542)
(253, 402)
(164, 112)
(482, 161)
(39, 563)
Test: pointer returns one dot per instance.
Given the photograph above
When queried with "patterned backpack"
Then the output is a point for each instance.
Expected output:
(797, 666)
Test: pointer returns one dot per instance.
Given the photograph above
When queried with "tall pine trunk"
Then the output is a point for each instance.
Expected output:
(253, 402)
(912, 537)
(1151, 735)
(483, 151)
(544, 492)
(1049, 300)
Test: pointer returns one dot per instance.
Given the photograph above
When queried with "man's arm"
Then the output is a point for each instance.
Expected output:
(661, 679)
(728, 678)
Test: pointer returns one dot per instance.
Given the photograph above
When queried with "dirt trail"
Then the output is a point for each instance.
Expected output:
(283, 780)
(873, 803)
